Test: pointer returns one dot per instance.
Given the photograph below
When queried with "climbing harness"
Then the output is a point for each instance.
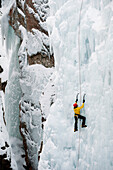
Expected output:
(79, 78)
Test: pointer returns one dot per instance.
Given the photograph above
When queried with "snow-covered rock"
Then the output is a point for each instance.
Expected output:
(29, 63)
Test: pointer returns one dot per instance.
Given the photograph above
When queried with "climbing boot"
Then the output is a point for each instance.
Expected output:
(75, 130)
(83, 126)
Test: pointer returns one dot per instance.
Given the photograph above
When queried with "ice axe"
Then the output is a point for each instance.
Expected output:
(77, 97)
(84, 98)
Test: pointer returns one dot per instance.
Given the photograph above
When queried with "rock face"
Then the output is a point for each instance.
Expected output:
(27, 18)
(4, 162)
(3, 85)
(32, 16)
(41, 59)
(5, 149)
(1, 69)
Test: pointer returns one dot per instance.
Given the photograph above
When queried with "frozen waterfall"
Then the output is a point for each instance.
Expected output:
(60, 150)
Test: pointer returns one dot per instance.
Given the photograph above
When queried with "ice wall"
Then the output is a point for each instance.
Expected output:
(13, 91)
(96, 54)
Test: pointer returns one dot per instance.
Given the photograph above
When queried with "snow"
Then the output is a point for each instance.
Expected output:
(3, 131)
(18, 152)
(4, 138)
(21, 12)
(61, 144)
(48, 97)
(38, 39)
(38, 75)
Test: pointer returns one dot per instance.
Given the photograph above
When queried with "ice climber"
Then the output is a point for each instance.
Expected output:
(77, 114)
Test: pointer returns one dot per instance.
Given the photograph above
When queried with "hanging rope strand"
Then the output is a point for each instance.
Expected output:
(79, 76)
(79, 49)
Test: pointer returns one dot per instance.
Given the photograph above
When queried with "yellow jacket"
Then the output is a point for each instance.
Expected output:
(77, 110)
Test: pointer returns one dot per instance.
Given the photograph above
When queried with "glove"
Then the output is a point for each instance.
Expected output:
(83, 101)
(76, 100)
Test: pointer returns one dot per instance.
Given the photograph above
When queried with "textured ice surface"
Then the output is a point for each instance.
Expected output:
(13, 94)
(34, 81)
(96, 53)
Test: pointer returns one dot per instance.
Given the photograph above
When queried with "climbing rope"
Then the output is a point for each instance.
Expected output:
(79, 49)
(79, 79)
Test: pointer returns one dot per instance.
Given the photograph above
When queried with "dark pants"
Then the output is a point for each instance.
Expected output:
(76, 121)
